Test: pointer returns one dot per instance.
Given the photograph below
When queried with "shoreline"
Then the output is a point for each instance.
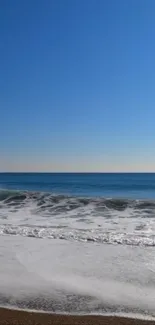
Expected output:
(25, 317)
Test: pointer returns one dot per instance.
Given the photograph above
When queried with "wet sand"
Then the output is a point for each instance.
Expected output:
(16, 317)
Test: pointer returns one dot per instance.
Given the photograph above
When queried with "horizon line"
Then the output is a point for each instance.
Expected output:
(78, 172)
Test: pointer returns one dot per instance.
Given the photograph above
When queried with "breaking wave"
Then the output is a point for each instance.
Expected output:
(100, 220)
(71, 202)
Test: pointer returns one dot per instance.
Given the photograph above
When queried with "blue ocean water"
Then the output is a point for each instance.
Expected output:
(120, 185)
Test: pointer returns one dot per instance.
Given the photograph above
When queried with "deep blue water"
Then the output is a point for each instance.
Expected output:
(130, 185)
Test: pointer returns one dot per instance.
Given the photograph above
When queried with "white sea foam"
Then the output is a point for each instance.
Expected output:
(99, 220)
(79, 273)
(91, 235)
(77, 278)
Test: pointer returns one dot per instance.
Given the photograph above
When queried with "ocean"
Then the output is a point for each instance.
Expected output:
(78, 243)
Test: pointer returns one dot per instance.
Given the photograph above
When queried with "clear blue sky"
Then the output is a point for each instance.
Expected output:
(77, 85)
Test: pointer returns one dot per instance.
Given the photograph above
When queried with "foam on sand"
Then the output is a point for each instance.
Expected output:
(78, 278)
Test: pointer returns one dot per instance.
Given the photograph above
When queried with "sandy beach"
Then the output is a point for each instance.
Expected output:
(16, 317)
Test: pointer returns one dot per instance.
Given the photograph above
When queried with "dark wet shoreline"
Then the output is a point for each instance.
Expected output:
(17, 317)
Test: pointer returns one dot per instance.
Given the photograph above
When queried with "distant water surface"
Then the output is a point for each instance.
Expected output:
(130, 185)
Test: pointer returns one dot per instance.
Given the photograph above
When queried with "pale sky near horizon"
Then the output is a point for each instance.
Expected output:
(77, 85)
